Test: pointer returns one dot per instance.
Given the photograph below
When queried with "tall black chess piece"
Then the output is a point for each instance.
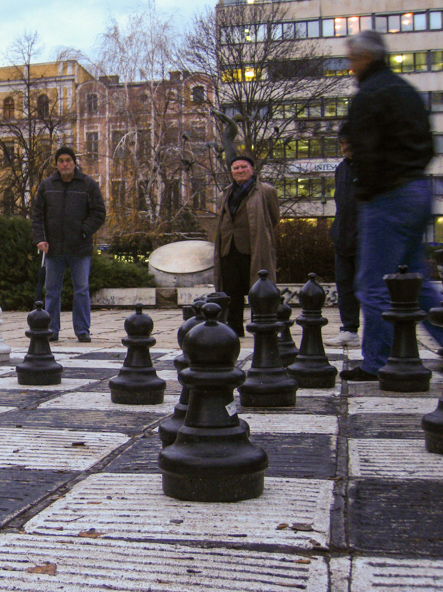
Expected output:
(432, 423)
(404, 371)
(286, 346)
(311, 368)
(39, 366)
(137, 382)
(212, 459)
(168, 429)
(267, 384)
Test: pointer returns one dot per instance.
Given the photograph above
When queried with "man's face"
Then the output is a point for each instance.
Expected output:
(241, 171)
(359, 62)
(345, 146)
(66, 167)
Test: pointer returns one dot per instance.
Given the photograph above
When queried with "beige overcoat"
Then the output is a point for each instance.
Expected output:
(263, 213)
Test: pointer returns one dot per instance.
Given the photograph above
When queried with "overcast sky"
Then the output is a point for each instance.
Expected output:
(76, 24)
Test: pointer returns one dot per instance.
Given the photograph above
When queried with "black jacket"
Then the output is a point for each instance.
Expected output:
(390, 133)
(344, 228)
(67, 215)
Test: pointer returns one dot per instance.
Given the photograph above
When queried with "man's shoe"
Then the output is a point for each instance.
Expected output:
(84, 338)
(359, 375)
(54, 337)
(344, 338)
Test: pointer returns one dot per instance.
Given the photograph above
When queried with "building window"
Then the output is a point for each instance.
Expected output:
(43, 106)
(8, 109)
(420, 22)
(92, 145)
(143, 144)
(435, 20)
(118, 191)
(438, 143)
(336, 67)
(436, 102)
(118, 148)
(409, 62)
(92, 103)
(8, 153)
(436, 61)
(198, 94)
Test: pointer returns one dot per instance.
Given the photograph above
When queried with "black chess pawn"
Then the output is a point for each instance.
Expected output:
(432, 423)
(286, 346)
(404, 371)
(267, 384)
(223, 300)
(212, 459)
(39, 366)
(137, 382)
(311, 368)
(168, 429)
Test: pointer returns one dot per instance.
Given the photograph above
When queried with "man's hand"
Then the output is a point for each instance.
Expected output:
(43, 246)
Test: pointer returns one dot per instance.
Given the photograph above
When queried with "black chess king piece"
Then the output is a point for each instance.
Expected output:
(311, 368)
(39, 366)
(137, 382)
(268, 383)
(404, 371)
(212, 459)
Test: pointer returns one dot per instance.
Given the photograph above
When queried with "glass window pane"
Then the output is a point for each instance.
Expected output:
(437, 101)
(437, 61)
(342, 107)
(353, 25)
(421, 64)
(276, 31)
(438, 143)
(406, 21)
(303, 148)
(278, 150)
(303, 188)
(301, 30)
(329, 187)
(316, 188)
(278, 112)
(330, 107)
(315, 147)
(288, 30)
(407, 64)
(365, 23)
(328, 27)
(420, 22)
(291, 149)
(381, 24)
(315, 109)
(340, 27)
(435, 20)
(330, 147)
(395, 61)
(394, 23)
(313, 29)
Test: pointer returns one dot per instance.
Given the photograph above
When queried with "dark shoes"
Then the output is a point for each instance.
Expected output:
(54, 337)
(84, 338)
(358, 374)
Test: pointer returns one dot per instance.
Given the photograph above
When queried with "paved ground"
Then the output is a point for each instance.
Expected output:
(352, 501)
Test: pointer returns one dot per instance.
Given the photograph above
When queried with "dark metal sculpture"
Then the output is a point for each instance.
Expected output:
(311, 368)
(268, 384)
(212, 459)
(286, 346)
(39, 366)
(404, 371)
(137, 382)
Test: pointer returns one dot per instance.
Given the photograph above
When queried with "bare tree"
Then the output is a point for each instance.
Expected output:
(33, 120)
(261, 66)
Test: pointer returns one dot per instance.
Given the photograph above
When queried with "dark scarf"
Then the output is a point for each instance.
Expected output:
(238, 193)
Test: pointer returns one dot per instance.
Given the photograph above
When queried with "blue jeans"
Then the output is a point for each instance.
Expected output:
(81, 308)
(391, 229)
(348, 304)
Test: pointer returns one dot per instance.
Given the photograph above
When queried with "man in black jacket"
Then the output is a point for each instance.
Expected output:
(344, 235)
(68, 210)
(391, 145)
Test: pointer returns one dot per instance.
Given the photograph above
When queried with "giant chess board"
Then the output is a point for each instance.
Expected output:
(353, 502)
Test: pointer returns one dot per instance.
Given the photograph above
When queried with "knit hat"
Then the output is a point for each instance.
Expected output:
(65, 150)
(247, 158)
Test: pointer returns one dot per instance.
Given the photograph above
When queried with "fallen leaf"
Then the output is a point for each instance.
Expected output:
(301, 526)
(94, 502)
(78, 444)
(302, 561)
(282, 526)
(91, 533)
(49, 569)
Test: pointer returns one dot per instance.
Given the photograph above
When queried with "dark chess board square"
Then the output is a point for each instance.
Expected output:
(80, 419)
(396, 516)
(24, 398)
(89, 373)
(304, 405)
(141, 457)
(21, 488)
(380, 425)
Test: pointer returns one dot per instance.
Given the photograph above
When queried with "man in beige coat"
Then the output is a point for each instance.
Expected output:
(244, 242)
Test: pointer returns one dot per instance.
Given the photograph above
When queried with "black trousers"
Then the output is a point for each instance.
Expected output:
(235, 269)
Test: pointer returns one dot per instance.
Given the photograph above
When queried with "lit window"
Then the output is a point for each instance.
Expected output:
(353, 25)
(437, 61)
(340, 27)
(421, 62)
(406, 22)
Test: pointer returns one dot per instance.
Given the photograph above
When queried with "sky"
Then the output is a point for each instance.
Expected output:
(78, 23)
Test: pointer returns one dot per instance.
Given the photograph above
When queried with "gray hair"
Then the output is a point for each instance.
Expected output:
(368, 42)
